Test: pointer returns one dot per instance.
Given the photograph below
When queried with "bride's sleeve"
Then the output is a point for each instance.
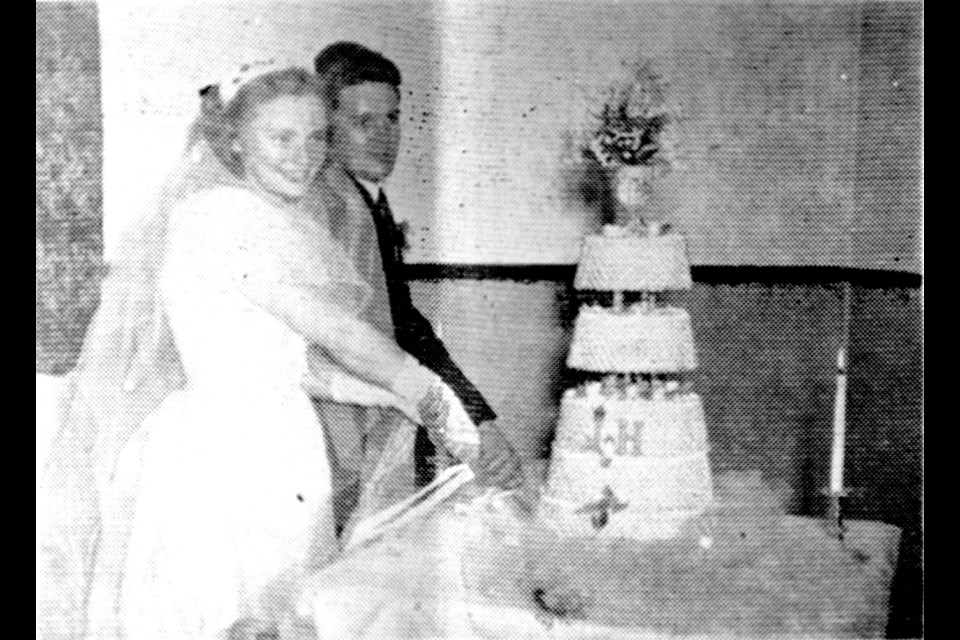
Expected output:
(314, 292)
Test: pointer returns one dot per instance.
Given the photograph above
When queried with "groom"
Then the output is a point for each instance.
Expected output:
(362, 90)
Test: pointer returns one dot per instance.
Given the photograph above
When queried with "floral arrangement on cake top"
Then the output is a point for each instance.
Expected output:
(635, 137)
(637, 124)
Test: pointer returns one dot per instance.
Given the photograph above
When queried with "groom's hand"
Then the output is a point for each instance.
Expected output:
(498, 464)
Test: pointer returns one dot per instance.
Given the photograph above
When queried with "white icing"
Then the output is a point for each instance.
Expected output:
(644, 483)
(634, 263)
(656, 496)
(634, 341)
(652, 455)
(630, 460)
(638, 525)
(640, 427)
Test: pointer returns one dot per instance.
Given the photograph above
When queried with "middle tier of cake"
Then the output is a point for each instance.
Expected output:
(635, 340)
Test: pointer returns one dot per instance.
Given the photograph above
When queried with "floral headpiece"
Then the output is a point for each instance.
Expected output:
(231, 83)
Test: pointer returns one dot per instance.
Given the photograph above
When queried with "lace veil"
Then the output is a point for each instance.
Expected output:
(127, 366)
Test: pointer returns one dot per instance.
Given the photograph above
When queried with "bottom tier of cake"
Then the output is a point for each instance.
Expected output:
(627, 466)
(642, 498)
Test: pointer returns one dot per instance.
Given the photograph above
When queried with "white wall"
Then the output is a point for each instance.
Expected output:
(497, 94)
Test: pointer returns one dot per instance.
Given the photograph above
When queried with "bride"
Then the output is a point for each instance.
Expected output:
(190, 485)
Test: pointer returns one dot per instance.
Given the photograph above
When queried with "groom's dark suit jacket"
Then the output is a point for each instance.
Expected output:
(374, 241)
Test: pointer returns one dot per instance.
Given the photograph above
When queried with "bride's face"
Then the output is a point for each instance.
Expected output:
(282, 145)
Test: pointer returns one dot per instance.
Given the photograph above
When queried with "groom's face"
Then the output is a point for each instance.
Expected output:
(366, 130)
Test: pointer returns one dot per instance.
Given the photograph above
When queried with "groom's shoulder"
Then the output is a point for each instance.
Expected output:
(337, 188)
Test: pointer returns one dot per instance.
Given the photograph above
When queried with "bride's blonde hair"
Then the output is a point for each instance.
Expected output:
(219, 121)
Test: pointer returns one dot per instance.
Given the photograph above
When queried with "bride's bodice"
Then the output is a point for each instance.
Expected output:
(225, 248)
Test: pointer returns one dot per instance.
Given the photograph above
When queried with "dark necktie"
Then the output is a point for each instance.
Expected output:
(391, 241)
(387, 225)
(389, 234)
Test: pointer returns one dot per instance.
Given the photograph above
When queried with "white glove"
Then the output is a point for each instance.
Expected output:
(448, 423)
(439, 410)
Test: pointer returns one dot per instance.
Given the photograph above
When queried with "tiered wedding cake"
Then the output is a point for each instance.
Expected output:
(630, 454)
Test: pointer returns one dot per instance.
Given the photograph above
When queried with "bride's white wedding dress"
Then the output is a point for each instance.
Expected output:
(234, 488)
(202, 495)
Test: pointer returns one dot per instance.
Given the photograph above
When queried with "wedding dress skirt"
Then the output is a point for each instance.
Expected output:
(233, 488)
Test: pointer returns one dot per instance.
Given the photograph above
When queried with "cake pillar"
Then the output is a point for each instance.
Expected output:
(618, 301)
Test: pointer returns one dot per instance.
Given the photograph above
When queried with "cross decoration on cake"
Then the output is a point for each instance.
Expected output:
(601, 510)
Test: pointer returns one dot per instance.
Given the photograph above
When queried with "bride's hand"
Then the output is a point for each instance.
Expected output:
(438, 409)
(448, 423)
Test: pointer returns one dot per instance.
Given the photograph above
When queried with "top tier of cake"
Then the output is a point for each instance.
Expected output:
(618, 260)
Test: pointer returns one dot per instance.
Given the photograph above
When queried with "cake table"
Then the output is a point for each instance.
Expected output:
(480, 572)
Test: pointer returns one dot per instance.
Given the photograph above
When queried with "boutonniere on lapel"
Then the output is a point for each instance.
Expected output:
(400, 231)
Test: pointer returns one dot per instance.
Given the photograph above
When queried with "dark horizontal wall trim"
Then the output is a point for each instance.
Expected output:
(703, 274)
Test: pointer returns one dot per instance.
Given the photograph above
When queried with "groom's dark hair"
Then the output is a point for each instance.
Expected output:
(344, 64)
